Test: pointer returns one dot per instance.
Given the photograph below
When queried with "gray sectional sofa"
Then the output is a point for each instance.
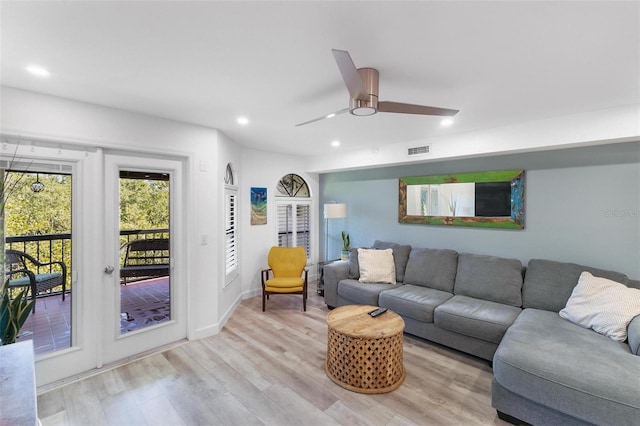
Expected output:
(547, 370)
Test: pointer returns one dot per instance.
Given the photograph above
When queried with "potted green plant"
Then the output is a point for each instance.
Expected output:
(346, 242)
(13, 314)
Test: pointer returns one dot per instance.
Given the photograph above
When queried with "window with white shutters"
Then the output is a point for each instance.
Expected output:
(231, 240)
(293, 204)
(294, 224)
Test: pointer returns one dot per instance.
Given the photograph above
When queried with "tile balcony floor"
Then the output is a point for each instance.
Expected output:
(143, 303)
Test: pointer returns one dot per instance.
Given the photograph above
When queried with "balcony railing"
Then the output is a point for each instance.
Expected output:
(57, 247)
(138, 234)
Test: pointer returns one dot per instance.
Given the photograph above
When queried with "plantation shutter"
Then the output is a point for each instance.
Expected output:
(294, 230)
(303, 227)
(231, 248)
(285, 222)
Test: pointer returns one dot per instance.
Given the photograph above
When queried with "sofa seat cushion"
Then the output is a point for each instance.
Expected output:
(476, 318)
(413, 301)
(573, 370)
(362, 293)
(432, 268)
(490, 278)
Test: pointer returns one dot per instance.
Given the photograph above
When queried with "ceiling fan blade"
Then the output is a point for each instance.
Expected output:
(354, 83)
(333, 114)
(386, 106)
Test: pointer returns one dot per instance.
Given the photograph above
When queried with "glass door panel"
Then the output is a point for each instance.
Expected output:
(37, 239)
(145, 290)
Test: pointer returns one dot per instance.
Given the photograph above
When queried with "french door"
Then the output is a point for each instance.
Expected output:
(144, 303)
(117, 198)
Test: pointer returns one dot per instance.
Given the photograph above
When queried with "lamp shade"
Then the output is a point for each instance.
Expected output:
(335, 211)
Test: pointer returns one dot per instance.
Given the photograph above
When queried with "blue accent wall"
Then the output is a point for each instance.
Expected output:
(582, 205)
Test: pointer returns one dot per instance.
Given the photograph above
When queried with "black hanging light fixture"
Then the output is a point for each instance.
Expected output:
(37, 186)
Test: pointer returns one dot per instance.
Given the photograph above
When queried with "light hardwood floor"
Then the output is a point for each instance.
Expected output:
(267, 368)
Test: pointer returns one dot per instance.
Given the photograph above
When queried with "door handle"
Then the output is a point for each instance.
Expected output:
(109, 270)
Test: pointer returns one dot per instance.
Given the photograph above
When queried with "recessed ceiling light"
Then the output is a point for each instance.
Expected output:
(335, 143)
(38, 71)
(243, 121)
(333, 114)
(446, 122)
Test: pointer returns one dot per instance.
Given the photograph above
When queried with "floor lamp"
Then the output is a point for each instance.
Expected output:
(332, 211)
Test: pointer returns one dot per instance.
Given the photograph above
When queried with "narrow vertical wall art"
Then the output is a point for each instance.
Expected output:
(258, 206)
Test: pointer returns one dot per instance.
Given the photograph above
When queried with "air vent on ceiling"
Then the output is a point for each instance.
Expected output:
(419, 150)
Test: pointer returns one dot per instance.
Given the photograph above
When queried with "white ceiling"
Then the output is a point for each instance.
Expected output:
(208, 62)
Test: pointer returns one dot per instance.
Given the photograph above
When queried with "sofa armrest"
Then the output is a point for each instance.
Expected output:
(633, 284)
(634, 335)
(333, 274)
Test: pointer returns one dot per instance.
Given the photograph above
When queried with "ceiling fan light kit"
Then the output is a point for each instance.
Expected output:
(362, 84)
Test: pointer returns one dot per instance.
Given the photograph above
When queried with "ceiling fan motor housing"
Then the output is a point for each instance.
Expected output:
(367, 104)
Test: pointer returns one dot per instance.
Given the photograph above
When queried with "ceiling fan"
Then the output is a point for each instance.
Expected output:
(362, 84)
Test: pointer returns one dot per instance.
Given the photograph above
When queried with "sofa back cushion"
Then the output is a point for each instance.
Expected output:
(432, 268)
(354, 265)
(548, 284)
(489, 278)
(400, 256)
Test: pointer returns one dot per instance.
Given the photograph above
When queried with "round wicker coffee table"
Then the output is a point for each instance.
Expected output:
(364, 354)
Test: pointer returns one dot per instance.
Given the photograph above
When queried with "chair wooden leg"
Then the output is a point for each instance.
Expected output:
(263, 300)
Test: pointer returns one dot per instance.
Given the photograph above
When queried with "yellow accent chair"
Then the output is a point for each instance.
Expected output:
(287, 264)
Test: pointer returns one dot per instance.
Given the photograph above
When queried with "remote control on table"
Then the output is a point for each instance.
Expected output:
(377, 312)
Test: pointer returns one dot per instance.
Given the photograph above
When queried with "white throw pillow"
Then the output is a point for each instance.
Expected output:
(602, 305)
(376, 266)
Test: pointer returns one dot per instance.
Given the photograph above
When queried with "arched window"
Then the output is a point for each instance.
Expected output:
(292, 185)
(228, 177)
(293, 204)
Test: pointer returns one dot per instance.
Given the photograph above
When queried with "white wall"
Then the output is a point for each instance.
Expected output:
(264, 169)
